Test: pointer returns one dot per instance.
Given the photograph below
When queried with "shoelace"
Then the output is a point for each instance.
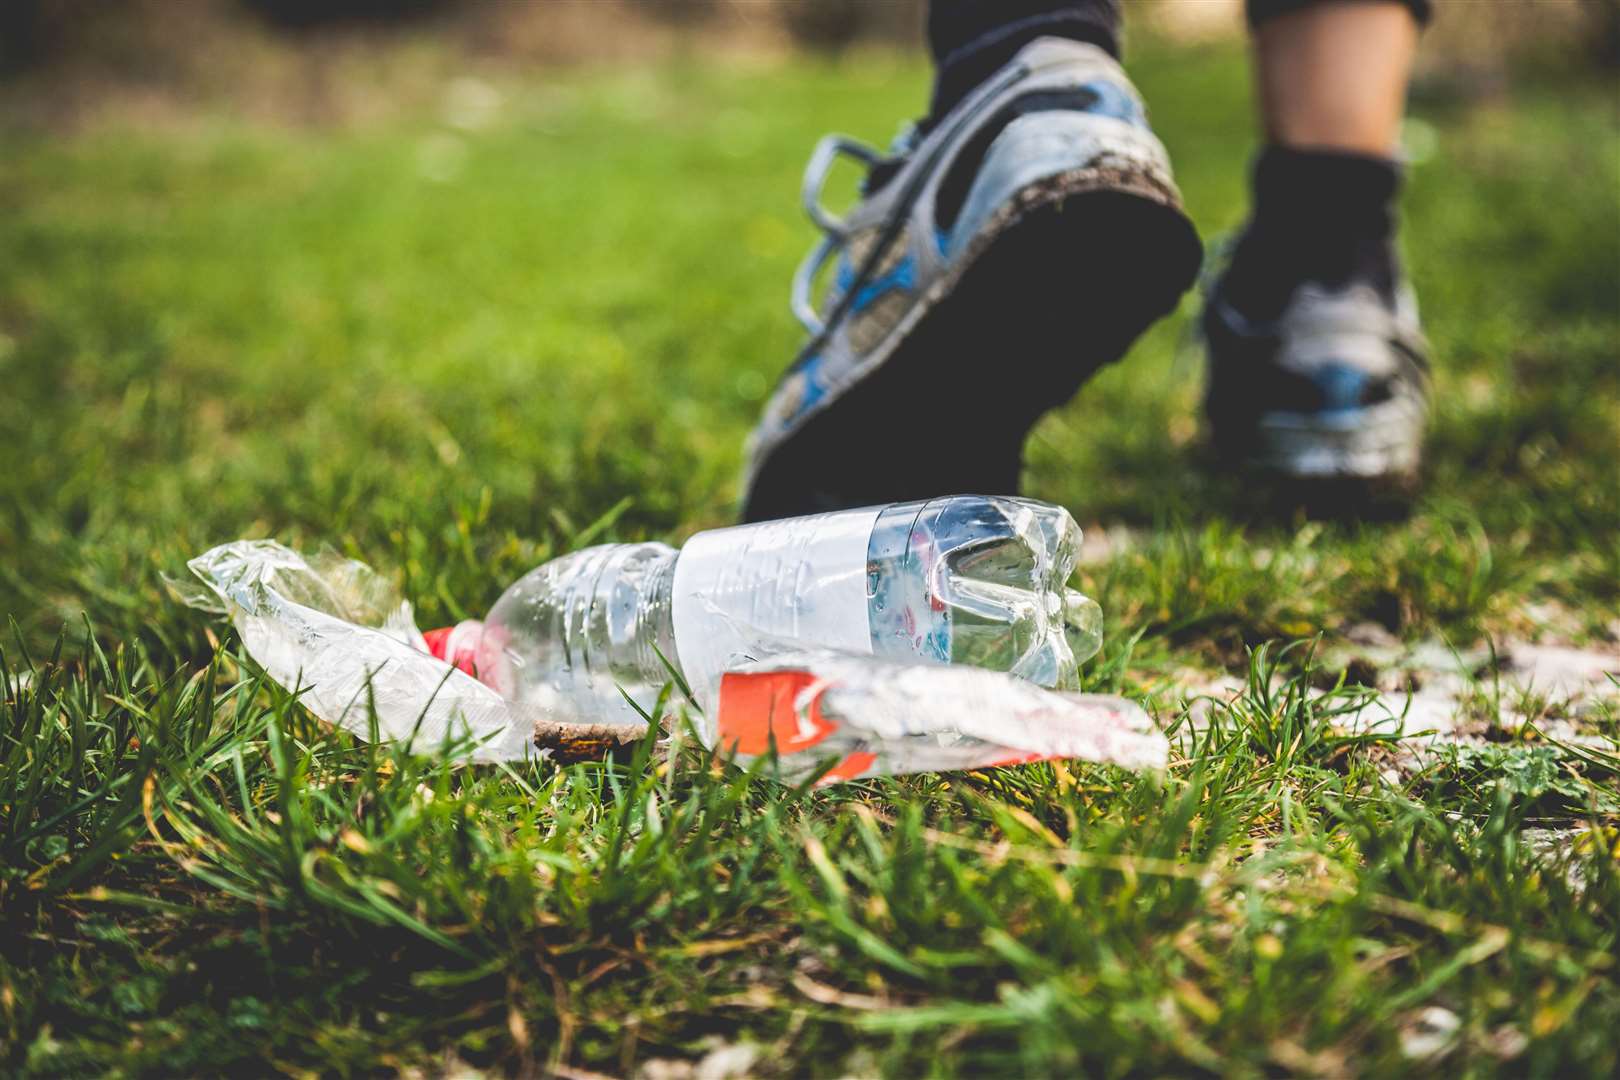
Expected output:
(880, 169)
(834, 229)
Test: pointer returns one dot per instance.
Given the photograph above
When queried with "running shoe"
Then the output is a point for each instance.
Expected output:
(1335, 389)
(997, 259)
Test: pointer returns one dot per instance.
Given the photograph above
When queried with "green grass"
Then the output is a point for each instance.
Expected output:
(217, 329)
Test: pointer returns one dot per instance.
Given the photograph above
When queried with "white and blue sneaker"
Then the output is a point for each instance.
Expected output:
(996, 261)
(1332, 394)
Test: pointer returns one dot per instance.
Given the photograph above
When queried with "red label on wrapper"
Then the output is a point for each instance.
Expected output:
(784, 707)
(756, 707)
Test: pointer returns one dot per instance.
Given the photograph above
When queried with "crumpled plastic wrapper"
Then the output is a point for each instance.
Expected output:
(872, 717)
(341, 636)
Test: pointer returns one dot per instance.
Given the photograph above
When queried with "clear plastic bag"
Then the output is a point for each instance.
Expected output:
(341, 636)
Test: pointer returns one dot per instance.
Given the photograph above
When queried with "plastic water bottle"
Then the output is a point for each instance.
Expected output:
(970, 580)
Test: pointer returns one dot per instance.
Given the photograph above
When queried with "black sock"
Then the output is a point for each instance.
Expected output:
(970, 39)
(1320, 216)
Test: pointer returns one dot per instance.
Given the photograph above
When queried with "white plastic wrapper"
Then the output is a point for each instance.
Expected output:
(872, 717)
(340, 635)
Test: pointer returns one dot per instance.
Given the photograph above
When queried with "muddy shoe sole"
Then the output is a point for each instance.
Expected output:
(1057, 286)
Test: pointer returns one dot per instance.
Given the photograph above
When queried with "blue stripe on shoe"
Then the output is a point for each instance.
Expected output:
(811, 389)
(1115, 101)
(903, 275)
(1342, 387)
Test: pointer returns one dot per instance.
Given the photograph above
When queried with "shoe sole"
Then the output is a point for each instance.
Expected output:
(1351, 464)
(1064, 277)
(1365, 444)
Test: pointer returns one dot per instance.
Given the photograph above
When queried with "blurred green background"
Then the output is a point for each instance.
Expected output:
(445, 284)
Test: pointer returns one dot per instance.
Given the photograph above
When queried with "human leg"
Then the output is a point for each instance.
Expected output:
(1318, 369)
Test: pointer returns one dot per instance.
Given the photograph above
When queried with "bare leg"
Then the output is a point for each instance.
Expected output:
(1333, 76)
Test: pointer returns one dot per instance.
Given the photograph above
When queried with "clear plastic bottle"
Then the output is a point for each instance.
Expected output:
(963, 580)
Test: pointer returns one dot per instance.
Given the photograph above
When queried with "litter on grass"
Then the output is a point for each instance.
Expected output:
(344, 639)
